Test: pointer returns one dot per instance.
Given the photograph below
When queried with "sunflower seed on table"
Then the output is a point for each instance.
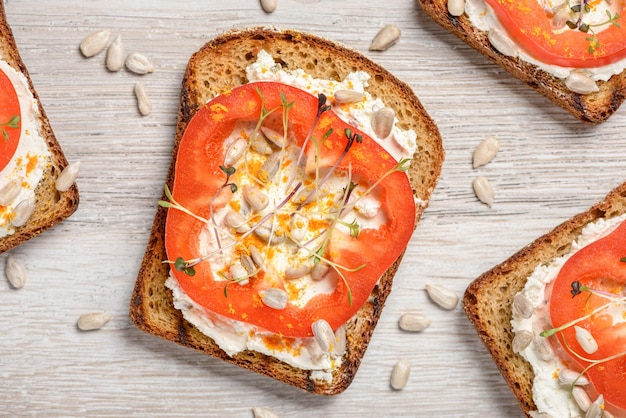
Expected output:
(143, 102)
(94, 43)
(485, 152)
(268, 5)
(115, 55)
(15, 272)
(386, 37)
(67, 177)
(483, 190)
(92, 321)
(400, 374)
(414, 322)
(442, 296)
(456, 7)
(139, 64)
(9, 192)
(262, 412)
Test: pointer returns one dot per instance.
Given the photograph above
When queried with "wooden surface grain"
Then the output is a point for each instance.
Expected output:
(549, 168)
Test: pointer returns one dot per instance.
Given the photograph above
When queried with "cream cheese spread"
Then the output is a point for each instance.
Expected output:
(483, 17)
(235, 336)
(32, 155)
(550, 396)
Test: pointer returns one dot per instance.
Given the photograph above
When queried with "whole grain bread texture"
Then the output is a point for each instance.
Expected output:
(51, 206)
(220, 66)
(590, 108)
(488, 300)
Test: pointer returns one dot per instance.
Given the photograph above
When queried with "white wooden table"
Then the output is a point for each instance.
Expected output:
(550, 167)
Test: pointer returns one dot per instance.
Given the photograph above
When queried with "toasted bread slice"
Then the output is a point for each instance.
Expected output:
(51, 206)
(488, 300)
(218, 67)
(591, 108)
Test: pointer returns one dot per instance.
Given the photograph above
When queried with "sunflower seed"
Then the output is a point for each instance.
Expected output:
(15, 272)
(268, 5)
(348, 96)
(235, 151)
(297, 271)
(596, 409)
(256, 256)
(324, 335)
(92, 321)
(9, 192)
(67, 177)
(274, 297)
(260, 145)
(94, 43)
(561, 16)
(521, 341)
(485, 152)
(238, 273)
(274, 137)
(319, 270)
(139, 63)
(483, 190)
(586, 340)
(414, 322)
(143, 102)
(298, 227)
(544, 351)
(23, 210)
(382, 122)
(456, 7)
(569, 377)
(271, 235)
(581, 83)
(581, 398)
(502, 43)
(115, 55)
(269, 168)
(247, 263)
(400, 374)
(236, 221)
(442, 296)
(522, 307)
(386, 37)
(340, 340)
(262, 412)
(255, 198)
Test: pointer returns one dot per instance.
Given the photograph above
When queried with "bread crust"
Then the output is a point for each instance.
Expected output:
(220, 66)
(488, 299)
(590, 108)
(51, 206)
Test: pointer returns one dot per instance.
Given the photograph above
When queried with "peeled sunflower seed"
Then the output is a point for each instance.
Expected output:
(522, 340)
(9, 192)
(348, 96)
(23, 210)
(568, 377)
(257, 257)
(255, 198)
(319, 271)
(522, 307)
(581, 83)
(268, 5)
(414, 322)
(586, 340)
(382, 122)
(324, 335)
(596, 409)
(143, 102)
(67, 177)
(274, 297)
(502, 43)
(400, 374)
(271, 235)
(139, 63)
(297, 271)
(340, 340)
(236, 221)
(456, 7)
(262, 412)
(94, 43)
(386, 37)
(581, 398)
(269, 168)
(92, 321)
(484, 191)
(115, 55)
(485, 152)
(15, 272)
(274, 137)
(235, 151)
(442, 296)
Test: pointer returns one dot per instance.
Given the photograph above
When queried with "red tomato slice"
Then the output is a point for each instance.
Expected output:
(9, 109)
(531, 27)
(198, 176)
(596, 266)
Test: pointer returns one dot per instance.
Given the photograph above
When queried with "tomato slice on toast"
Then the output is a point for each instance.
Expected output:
(10, 120)
(198, 176)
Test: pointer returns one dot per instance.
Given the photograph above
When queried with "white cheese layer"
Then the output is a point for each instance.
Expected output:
(549, 395)
(483, 17)
(32, 155)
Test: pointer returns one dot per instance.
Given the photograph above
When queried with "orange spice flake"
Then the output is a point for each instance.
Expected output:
(32, 163)
(277, 343)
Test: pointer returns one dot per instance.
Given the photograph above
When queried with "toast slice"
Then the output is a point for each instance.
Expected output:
(488, 299)
(51, 206)
(220, 66)
(590, 108)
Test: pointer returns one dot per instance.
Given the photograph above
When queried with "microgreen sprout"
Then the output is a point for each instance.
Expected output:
(12, 123)
(182, 265)
(235, 280)
(579, 25)
(173, 204)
